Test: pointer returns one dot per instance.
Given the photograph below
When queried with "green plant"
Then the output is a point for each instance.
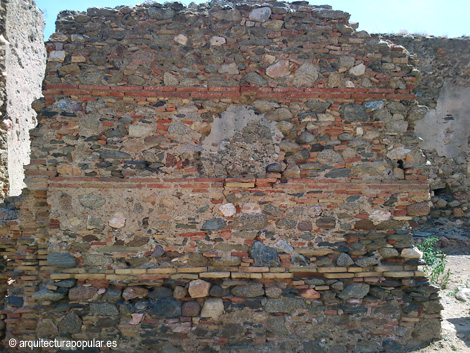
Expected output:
(435, 262)
(452, 293)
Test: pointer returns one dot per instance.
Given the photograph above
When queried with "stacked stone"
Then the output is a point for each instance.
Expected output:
(226, 176)
(443, 63)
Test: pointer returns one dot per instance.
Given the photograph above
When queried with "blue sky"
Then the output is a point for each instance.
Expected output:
(432, 17)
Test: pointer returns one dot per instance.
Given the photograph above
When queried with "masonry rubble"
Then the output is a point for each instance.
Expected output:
(222, 177)
(442, 121)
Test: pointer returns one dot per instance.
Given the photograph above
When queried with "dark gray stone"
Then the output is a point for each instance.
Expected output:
(113, 154)
(277, 326)
(274, 168)
(317, 106)
(287, 305)
(112, 295)
(271, 210)
(62, 260)
(91, 201)
(254, 78)
(338, 173)
(191, 308)
(103, 309)
(313, 347)
(82, 293)
(118, 131)
(326, 222)
(47, 295)
(279, 114)
(47, 329)
(250, 222)
(66, 283)
(289, 147)
(354, 112)
(217, 291)
(94, 223)
(15, 301)
(391, 346)
(286, 223)
(263, 255)
(345, 136)
(227, 15)
(366, 347)
(160, 293)
(158, 251)
(355, 290)
(214, 224)
(168, 348)
(248, 291)
(71, 323)
(353, 198)
(305, 138)
(166, 308)
(260, 14)
(233, 331)
(305, 226)
(368, 261)
(364, 224)
(344, 260)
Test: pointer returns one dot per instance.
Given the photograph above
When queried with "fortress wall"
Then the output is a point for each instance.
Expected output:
(219, 178)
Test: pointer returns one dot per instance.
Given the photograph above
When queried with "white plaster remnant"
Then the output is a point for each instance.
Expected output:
(379, 216)
(118, 220)
(228, 210)
(446, 129)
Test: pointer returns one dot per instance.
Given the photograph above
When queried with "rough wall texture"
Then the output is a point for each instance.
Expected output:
(236, 178)
(25, 65)
(22, 69)
(444, 93)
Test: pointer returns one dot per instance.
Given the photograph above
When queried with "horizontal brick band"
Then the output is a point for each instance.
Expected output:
(225, 92)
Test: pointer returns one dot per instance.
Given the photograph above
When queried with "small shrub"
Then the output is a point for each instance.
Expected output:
(435, 262)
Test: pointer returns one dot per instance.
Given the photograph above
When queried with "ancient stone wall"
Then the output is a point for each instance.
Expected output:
(444, 92)
(222, 178)
(22, 68)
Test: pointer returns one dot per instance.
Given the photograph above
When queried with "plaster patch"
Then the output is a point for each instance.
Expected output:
(447, 128)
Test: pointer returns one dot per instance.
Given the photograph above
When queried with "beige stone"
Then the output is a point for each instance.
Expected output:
(358, 70)
(412, 253)
(217, 41)
(213, 308)
(181, 39)
(134, 292)
(419, 208)
(279, 69)
(199, 288)
(310, 294)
